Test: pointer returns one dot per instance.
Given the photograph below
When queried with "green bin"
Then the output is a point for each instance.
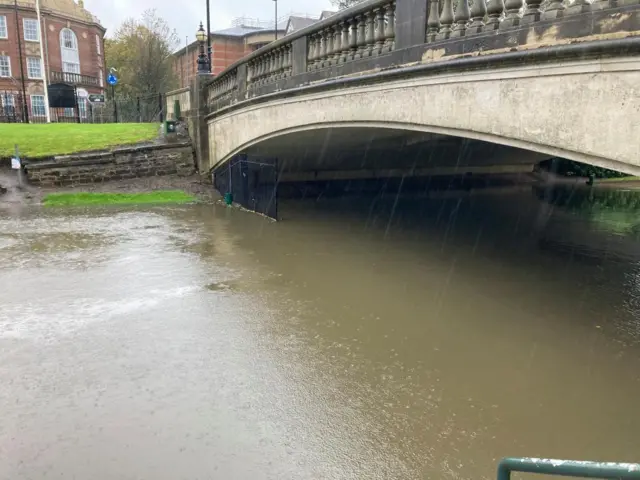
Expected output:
(169, 126)
(228, 198)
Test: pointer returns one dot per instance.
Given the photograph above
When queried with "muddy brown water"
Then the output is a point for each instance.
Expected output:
(357, 338)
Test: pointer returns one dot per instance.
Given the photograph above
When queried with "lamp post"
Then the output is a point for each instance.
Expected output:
(276, 20)
(203, 62)
(209, 36)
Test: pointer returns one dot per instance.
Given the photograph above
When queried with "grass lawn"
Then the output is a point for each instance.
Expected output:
(78, 199)
(46, 140)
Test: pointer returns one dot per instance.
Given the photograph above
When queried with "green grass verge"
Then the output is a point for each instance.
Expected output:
(79, 199)
(617, 179)
(45, 140)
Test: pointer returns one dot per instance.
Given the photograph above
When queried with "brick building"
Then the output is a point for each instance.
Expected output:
(73, 50)
(227, 46)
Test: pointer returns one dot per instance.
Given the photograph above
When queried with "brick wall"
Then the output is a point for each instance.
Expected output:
(226, 50)
(123, 163)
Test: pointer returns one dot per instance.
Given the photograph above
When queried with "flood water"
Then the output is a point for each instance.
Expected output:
(390, 338)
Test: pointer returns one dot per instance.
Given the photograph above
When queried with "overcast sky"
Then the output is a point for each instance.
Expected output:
(185, 15)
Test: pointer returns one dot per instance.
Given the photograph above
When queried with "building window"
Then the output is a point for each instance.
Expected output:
(3, 27)
(98, 44)
(31, 30)
(7, 104)
(34, 67)
(38, 108)
(69, 51)
(101, 76)
(5, 66)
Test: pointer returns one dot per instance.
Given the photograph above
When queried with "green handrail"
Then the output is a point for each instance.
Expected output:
(568, 468)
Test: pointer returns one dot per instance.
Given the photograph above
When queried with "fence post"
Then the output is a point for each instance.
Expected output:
(161, 107)
(115, 104)
(139, 111)
(77, 109)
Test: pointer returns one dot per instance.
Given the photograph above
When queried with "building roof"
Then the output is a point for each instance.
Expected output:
(327, 14)
(296, 23)
(239, 31)
(68, 8)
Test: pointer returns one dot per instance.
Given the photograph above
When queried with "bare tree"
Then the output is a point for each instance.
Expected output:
(141, 51)
(341, 4)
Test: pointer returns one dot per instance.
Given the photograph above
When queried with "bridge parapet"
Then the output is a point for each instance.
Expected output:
(383, 35)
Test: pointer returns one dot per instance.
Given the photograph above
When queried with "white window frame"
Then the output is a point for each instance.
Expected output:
(70, 56)
(101, 76)
(8, 60)
(44, 107)
(98, 48)
(4, 28)
(33, 77)
(24, 29)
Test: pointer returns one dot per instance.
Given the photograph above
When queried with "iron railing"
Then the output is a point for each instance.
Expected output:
(568, 468)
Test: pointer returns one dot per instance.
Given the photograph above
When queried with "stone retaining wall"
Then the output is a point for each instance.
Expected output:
(118, 164)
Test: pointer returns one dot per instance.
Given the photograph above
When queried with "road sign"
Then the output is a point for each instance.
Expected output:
(112, 79)
(15, 163)
(95, 98)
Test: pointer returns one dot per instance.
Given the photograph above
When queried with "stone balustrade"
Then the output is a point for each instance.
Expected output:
(272, 65)
(223, 87)
(481, 16)
(377, 35)
(366, 33)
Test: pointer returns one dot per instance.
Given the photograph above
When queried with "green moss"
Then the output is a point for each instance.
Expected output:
(46, 140)
(78, 199)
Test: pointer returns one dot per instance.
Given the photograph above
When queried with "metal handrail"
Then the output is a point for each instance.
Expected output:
(568, 468)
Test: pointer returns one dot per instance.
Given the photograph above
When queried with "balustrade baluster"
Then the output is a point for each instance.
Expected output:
(461, 19)
(279, 63)
(326, 48)
(370, 33)
(344, 42)
(578, 6)
(494, 12)
(556, 9)
(478, 12)
(311, 60)
(362, 41)
(337, 34)
(532, 12)
(390, 27)
(433, 22)
(353, 38)
(284, 60)
(272, 66)
(512, 18)
(379, 33)
(446, 20)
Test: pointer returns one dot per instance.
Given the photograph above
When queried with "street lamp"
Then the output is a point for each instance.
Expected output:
(203, 61)
(276, 2)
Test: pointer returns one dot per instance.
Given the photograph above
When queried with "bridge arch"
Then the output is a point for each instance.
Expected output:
(557, 109)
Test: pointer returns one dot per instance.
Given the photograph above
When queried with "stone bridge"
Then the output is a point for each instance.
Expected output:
(391, 86)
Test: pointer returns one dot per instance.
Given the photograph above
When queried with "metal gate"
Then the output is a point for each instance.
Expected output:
(250, 182)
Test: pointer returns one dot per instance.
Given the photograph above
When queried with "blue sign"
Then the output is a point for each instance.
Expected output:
(112, 79)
